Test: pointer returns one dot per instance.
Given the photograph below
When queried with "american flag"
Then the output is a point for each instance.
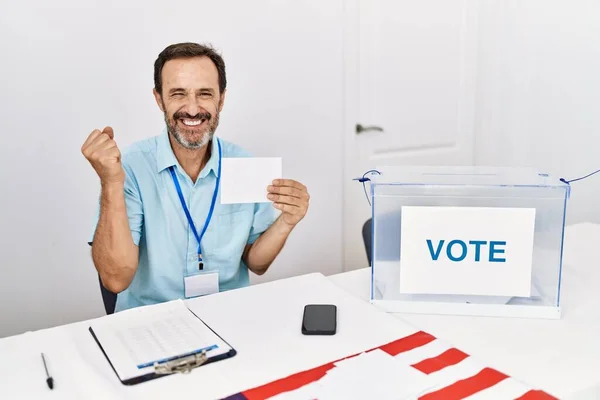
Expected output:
(460, 376)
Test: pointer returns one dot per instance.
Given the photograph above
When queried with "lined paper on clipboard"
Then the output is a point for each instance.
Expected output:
(135, 340)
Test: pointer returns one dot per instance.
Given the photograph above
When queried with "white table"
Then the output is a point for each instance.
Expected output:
(561, 356)
(262, 322)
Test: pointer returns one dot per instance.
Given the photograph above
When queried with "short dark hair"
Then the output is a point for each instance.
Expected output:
(188, 50)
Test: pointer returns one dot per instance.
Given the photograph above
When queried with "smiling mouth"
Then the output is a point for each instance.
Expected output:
(193, 122)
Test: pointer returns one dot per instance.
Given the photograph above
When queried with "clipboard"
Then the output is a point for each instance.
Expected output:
(181, 363)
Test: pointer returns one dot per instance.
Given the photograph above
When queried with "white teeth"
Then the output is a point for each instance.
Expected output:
(191, 122)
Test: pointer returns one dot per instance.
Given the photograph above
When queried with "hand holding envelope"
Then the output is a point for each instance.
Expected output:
(259, 180)
(291, 197)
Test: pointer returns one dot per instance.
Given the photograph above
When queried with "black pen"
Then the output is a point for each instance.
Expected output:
(49, 379)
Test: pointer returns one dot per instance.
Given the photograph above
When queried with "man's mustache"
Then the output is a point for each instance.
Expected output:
(183, 115)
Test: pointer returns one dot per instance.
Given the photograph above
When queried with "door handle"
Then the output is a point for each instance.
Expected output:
(360, 128)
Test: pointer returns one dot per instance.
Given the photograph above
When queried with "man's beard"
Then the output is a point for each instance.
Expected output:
(181, 134)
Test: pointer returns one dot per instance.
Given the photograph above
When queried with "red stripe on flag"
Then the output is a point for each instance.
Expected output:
(536, 395)
(447, 358)
(486, 378)
(291, 382)
(407, 343)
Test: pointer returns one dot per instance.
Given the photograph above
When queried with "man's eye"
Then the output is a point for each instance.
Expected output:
(205, 95)
(177, 94)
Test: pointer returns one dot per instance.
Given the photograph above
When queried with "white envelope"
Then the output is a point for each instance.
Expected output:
(245, 179)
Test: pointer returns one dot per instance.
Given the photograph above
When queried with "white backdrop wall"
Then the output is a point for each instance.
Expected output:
(69, 66)
(539, 92)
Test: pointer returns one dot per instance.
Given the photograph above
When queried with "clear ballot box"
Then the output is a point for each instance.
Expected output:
(467, 240)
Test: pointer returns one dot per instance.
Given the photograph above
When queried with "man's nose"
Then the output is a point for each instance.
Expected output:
(192, 107)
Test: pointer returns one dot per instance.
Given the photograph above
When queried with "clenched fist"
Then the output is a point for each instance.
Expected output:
(102, 152)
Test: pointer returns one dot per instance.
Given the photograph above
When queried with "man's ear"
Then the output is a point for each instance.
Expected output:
(222, 100)
(158, 99)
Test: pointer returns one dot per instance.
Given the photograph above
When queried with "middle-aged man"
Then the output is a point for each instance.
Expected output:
(162, 233)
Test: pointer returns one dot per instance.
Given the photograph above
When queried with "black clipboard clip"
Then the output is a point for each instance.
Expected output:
(183, 365)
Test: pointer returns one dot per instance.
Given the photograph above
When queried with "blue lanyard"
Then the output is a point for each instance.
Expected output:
(187, 212)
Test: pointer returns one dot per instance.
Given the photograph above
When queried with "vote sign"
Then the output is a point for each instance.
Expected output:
(466, 250)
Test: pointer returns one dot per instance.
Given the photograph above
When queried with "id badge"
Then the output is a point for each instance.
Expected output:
(201, 284)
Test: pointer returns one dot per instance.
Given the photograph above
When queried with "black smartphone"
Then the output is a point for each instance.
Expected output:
(319, 319)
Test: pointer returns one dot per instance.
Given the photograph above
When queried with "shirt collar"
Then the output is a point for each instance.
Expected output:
(213, 162)
(165, 157)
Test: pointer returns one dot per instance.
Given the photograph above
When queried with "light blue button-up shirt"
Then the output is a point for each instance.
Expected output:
(168, 249)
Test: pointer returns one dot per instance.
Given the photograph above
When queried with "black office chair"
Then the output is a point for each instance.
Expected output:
(109, 298)
(367, 237)
(388, 237)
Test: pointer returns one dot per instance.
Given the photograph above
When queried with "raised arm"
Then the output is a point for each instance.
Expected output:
(114, 252)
